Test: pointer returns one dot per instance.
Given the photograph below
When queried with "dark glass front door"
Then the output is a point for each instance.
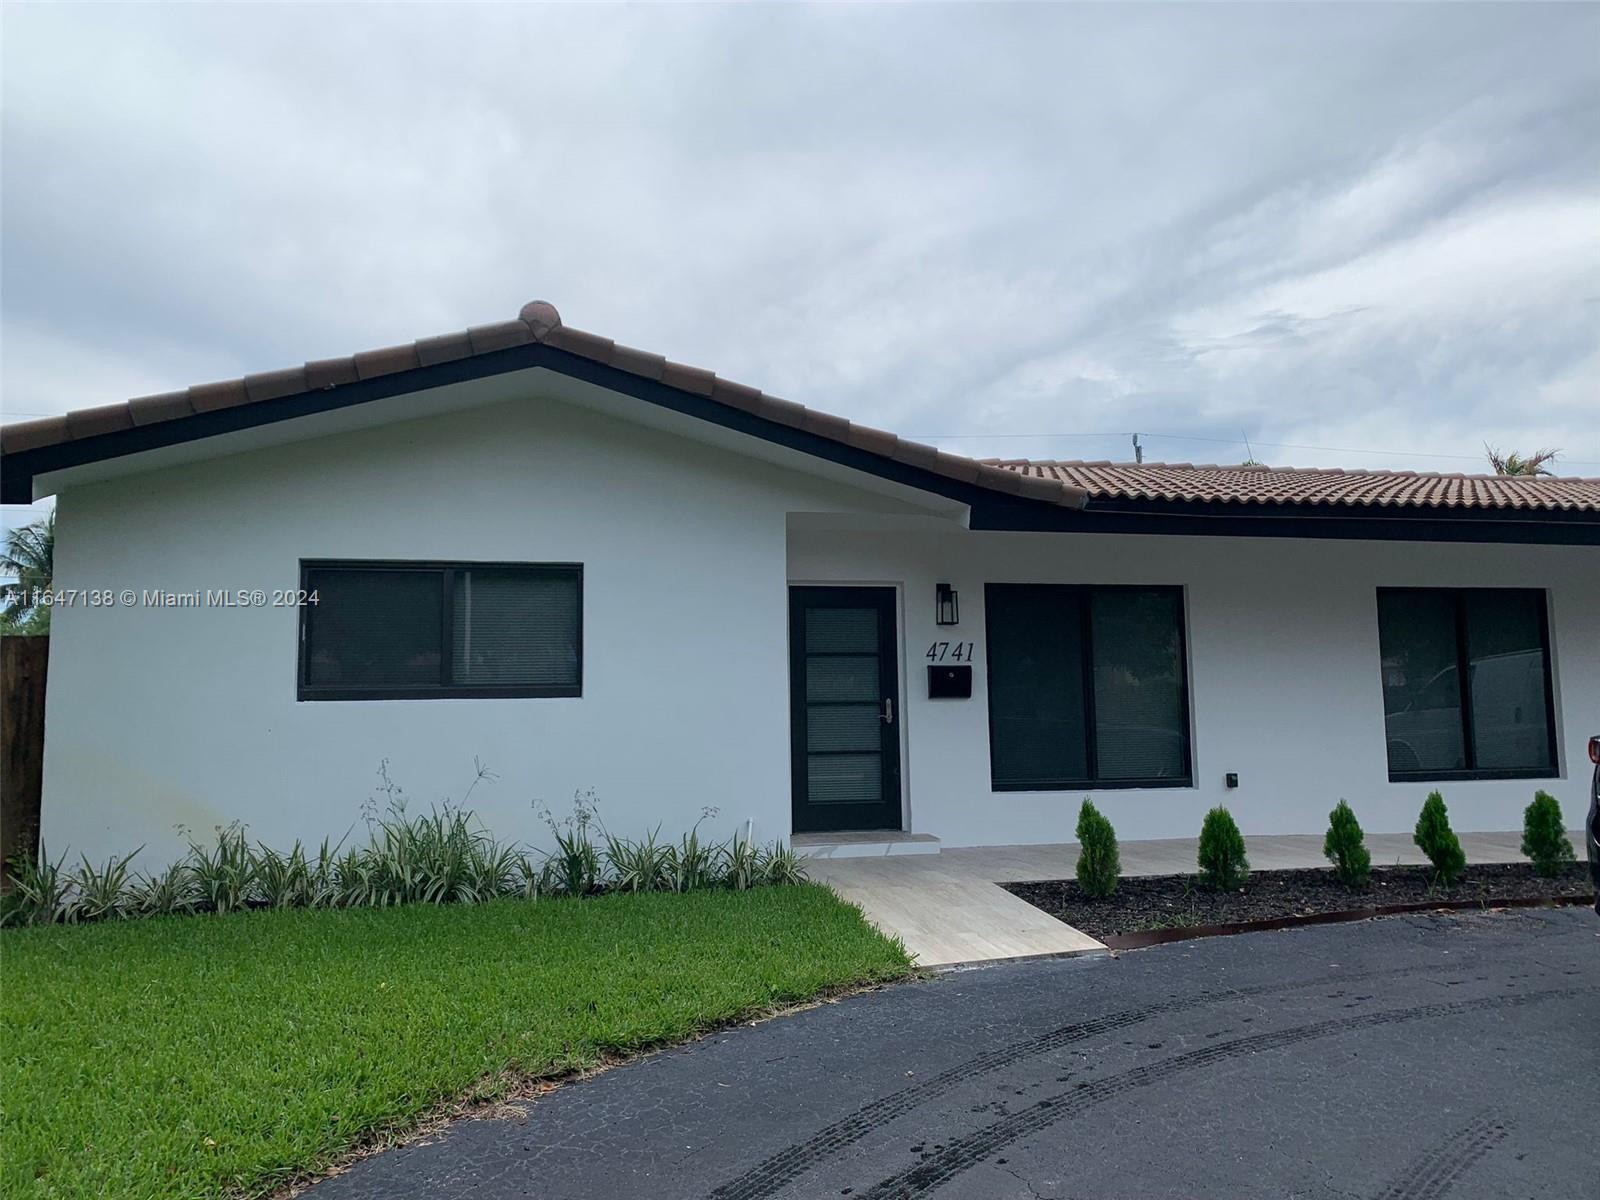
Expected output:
(845, 708)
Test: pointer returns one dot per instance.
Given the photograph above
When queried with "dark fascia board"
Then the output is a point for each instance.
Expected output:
(20, 469)
(990, 510)
(1557, 527)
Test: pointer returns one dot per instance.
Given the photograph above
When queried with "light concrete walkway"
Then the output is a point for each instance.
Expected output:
(948, 909)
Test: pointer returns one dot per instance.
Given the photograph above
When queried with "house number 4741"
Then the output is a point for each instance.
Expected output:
(950, 651)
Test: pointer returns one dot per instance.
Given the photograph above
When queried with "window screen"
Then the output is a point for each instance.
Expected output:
(415, 630)
(1466, 683)
(373, 629)
(1086, 687)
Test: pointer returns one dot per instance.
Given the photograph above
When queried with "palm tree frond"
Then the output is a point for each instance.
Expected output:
(29, 557)
(1509, 462)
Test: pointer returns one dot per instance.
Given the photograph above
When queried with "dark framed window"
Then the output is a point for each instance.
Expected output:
(426, 630)
(1466, 683)
(1087, 687)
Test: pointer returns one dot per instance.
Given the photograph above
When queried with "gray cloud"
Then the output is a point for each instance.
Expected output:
(1362, 226)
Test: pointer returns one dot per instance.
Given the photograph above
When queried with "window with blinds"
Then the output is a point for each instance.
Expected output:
(1087, 687)
(392, 631)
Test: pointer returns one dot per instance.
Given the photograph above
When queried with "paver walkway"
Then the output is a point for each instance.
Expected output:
(948, 909)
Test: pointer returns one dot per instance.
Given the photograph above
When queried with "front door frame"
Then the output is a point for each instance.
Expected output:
(891, 682)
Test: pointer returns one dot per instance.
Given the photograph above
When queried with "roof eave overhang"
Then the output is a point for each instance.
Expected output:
(1371, 522)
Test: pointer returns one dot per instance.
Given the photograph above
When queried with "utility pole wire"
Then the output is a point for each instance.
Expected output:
(1192, 437)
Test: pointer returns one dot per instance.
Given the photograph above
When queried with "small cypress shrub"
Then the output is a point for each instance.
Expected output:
(1223, 865)
(1544, 835)
(1345, 849)
(1438, 841)
(1099, 862)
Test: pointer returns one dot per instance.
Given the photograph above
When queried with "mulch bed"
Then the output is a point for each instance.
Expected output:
(1177, 904)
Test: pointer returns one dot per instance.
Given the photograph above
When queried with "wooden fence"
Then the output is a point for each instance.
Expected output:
(23, 664)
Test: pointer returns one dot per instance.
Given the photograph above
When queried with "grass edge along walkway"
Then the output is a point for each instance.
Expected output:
(205, 1055)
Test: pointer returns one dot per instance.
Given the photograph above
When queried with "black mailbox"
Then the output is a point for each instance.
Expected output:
(950, 683)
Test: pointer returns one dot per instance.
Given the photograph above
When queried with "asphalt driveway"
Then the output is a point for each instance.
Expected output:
(1411, 1057)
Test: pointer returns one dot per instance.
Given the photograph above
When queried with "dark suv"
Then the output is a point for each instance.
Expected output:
(1591, 830)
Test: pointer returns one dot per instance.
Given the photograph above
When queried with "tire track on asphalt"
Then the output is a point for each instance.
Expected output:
(937, 1169)
(774, 1173)
(1437, 1172)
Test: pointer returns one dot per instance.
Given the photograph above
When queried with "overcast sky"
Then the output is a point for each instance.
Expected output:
(1362, 235)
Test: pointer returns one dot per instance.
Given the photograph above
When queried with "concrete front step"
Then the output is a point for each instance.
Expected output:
(869, 843)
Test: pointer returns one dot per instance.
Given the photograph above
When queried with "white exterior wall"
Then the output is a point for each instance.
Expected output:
(159, 718)
(1284, 677)
(164, 717)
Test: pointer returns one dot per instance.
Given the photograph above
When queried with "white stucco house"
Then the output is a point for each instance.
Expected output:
(589, 567)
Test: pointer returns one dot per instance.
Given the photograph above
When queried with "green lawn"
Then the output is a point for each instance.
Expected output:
(185, 1056)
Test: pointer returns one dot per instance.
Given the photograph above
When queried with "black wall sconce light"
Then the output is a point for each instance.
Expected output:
(947, 605)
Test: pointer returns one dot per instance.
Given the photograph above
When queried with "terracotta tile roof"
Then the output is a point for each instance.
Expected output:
(1311, 485)
(1072, 484)
(538, 322)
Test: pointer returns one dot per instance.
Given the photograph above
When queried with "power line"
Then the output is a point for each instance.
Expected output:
(1246, 442)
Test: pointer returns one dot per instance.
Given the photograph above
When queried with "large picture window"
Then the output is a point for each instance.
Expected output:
(1466, 683)
(403, 631)
(1086, 687)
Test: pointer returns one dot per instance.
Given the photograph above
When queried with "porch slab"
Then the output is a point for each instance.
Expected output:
(949, 909)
